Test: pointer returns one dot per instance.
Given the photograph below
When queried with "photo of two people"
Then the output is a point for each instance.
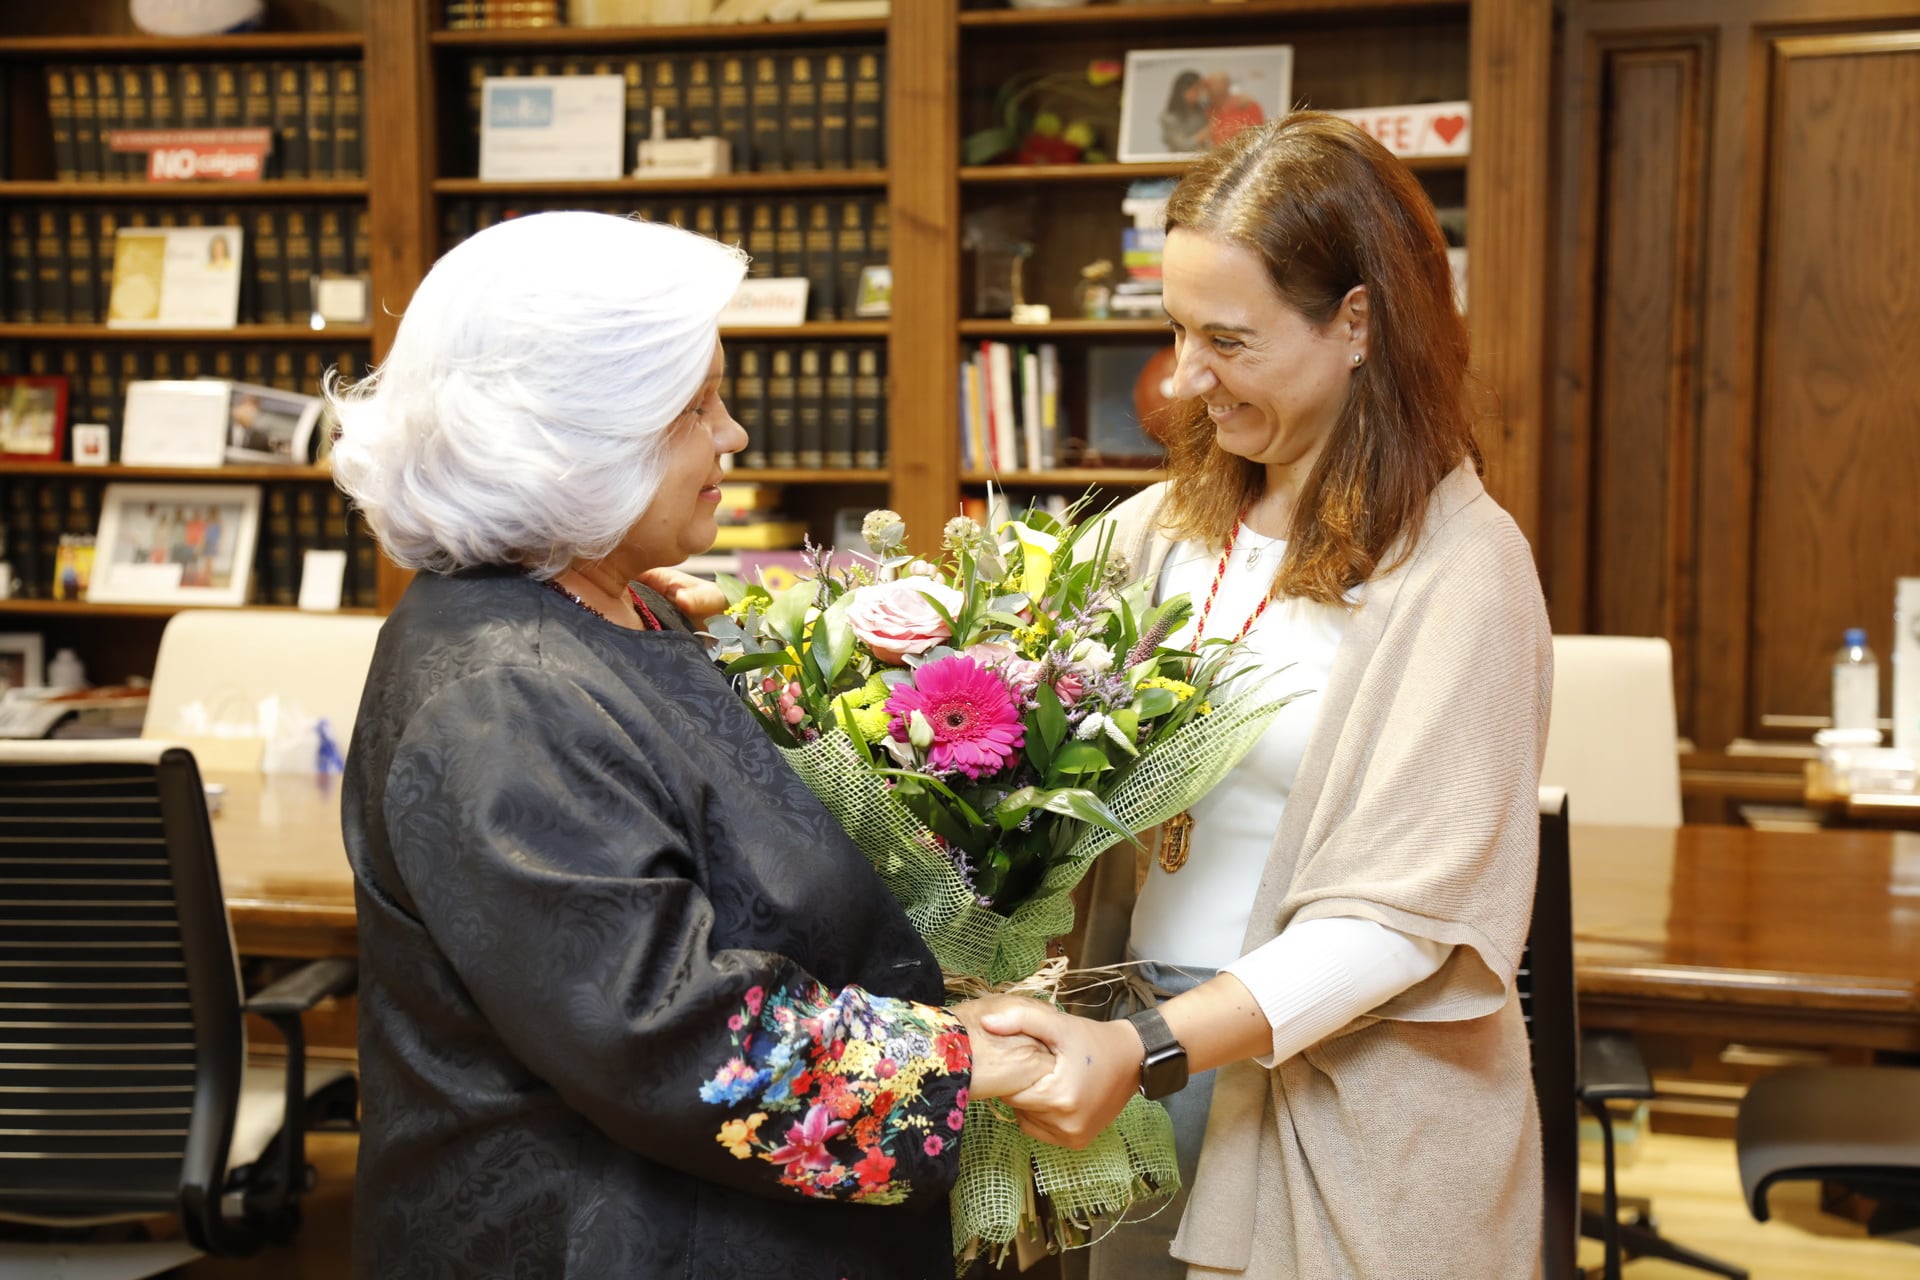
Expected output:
(1179, 103)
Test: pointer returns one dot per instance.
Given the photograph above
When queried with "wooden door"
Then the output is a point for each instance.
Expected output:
(1735, 447)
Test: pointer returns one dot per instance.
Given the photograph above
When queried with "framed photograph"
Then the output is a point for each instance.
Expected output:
(20, 660)
(175, 278)
(265, 425)
(556, 128)
(180, 544)
(33, 417)
(175, 423)
(1180, 103)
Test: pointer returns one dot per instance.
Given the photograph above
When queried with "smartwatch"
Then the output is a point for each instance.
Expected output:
(1163, 1069)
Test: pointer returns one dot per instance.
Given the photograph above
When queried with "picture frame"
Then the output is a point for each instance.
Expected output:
(33, 417)
(175, 423)
(175, 278)
(180, 544)
(22, 660)
(1179, 103)
(266, 425)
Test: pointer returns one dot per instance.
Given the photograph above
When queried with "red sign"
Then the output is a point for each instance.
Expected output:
(185, 155)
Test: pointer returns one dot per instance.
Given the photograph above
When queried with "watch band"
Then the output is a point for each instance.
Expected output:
(1163, 1068)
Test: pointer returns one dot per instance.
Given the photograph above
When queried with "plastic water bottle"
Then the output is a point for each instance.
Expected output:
(1856, 684)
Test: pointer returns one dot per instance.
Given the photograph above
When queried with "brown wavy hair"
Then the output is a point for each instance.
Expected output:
(1328, 208)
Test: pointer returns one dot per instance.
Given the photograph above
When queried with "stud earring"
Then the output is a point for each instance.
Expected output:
(1358, 359)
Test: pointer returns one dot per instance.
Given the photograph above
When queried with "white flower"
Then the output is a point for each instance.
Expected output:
(919, 731)
(1092, 727)
(1092, 656)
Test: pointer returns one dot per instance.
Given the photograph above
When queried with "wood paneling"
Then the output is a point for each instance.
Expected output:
(1837, 432)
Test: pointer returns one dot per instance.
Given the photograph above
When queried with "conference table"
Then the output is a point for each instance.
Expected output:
(1797, 938)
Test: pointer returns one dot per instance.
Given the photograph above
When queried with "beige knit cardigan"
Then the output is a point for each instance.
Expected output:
(1407, 1143)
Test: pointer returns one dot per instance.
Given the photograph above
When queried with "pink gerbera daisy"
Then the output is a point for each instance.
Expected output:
(976, 727)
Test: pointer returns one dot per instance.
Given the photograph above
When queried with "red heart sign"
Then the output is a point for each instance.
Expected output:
(1449, 127)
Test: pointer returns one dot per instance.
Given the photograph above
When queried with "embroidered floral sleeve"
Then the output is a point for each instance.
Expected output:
(847, 1094)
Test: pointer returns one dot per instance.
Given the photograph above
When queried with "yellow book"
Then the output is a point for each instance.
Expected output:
(760, 537)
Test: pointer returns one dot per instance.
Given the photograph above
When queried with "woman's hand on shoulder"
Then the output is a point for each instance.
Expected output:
(1096, 1070)
(695, 597)
(1002, 1063)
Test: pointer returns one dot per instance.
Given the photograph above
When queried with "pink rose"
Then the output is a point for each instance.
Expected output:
(1068, 689)
(1019, 673)
(896, 620)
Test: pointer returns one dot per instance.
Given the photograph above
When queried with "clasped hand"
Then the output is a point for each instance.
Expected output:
(1065, 1077)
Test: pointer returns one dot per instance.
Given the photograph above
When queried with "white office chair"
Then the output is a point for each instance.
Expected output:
(227, 682)
(1612, 742)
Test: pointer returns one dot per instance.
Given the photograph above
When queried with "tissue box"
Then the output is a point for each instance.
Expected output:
(684, 158)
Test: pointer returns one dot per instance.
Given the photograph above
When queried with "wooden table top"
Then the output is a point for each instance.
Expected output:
(1828, 794)
(1807, 935)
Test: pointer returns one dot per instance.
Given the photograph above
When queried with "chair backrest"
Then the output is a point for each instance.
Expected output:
(120, 1034)
(1613, 737)
(226, 680)
(1545, 983)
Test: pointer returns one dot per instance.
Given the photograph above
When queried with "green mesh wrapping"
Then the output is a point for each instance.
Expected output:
(1009, 1182)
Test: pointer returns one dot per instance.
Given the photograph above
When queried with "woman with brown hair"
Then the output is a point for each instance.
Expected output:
(1336, 926)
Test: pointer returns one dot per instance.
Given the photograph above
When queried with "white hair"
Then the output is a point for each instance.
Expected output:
(521, 415)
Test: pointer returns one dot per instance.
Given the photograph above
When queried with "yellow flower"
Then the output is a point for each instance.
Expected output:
(1179, 688)
(735, 1134)
(866, 706)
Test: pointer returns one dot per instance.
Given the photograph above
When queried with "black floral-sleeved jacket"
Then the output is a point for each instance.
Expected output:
(631, 1004)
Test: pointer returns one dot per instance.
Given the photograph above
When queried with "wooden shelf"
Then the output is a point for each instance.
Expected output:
(810, 180)
(1065, 477)
(733, 33)
(1029, 174)
(88, 609)
(767, 475)
(1066, 329)
(812, 331)
(246, 45)
(242, 333)
(1027, 21)
(271, 189)
(178, 475)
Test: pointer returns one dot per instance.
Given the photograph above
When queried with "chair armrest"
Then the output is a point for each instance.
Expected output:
(305, 987)
(1612, 1068)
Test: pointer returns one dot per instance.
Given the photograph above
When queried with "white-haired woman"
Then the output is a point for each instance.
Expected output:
(631, 1003)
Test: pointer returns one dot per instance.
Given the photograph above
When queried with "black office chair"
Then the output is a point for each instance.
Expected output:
(1856, 1126)
(124, 1093)
(1571, 1071)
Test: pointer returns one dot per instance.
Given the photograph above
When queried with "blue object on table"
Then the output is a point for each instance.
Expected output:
(328, 759)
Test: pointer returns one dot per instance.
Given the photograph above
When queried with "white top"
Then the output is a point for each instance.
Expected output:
(1317, 975)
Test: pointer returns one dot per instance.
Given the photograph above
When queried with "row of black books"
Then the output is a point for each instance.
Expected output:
(779, 112)
(295, 517)
(829, 241)
(59, 258)
(315, 110)
(97, 374)
(809, 406)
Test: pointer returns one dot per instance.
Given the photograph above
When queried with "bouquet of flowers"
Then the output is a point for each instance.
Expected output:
(985, 724)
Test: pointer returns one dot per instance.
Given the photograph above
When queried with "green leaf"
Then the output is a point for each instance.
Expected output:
(756, 662)
(1075, 802)
(934, 784)
(1081, 757)
(787, 618)
(1153, 702)
(986, 145)
(731, 587)
(1052, 717)
(1122, 726)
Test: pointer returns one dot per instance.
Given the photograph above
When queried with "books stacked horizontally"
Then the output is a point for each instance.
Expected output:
(779, 111)
(496, 14)
(314, 109)
(1010, 408)
(751, 520)
(1137, 294)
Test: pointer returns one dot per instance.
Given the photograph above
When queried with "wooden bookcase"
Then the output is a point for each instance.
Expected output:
(943, 58)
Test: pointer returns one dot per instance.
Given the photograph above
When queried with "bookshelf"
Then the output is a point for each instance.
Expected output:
(942, 58)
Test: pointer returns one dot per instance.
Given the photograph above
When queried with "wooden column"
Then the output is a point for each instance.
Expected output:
(923, 165)
(1508, 192)
(401, 164)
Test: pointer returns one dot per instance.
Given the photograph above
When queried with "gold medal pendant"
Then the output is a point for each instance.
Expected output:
(1176, 842)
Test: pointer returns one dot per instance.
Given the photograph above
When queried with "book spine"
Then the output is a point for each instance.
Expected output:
(817, 249)
(256, 106)
(227, 112)
(789, 241)
(22, 502)
(163, 104)
(360, 249)
(869, 406)
(66, 158)
(50, 268)
(290, 119)
(1030, 405)
(810, 408)
(134, 114)
(478, 69)
(319, 105)
(103, 404)
(308, 530)
(297, 264)
(194, 103)
(335, 526)
(666, 95)
(22, 271)
(866, 143)
(285, 375)
(879, 233)
(839, 408)
(269, 267)
(633, 76)
(331, 237)
(86, 124)
(73, 371)
(802, 114)
(836, 111)
(733, 224)
(782, 442)
(702, 96)
(349, 150)
(764, 115)
(456, 223)
(762, 241)
(49, 521)
(1049, 406)
(849, 255)
(734, 119)
(277, 541)
(108, 117)
(749, 403)
(363, 557)
(83, 298)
